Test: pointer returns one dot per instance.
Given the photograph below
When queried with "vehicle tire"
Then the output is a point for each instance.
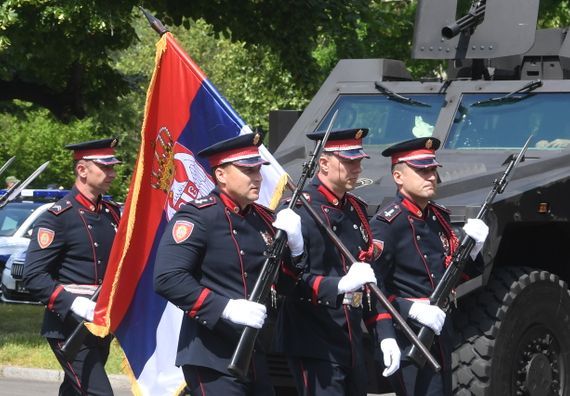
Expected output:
(514, 336)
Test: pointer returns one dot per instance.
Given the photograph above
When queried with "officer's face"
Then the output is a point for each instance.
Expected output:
(97, 177)
(418, 184)
(240, 183)
(339, 174)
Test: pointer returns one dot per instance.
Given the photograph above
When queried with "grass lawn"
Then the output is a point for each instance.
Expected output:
(21, 344)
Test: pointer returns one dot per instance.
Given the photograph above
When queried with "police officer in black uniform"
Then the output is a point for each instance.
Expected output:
(208, 261)
(319, 325)
(66, 261)
(417, 244)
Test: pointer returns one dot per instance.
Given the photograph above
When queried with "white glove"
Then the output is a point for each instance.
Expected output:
(478, 230)
(244, 312)
(429, 315)
(358, 274)
(392, 354)
(290, 222)
(84, 307)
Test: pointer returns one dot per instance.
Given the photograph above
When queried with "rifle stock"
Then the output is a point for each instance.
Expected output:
(241, 358)
(73, 343)
(452, 275)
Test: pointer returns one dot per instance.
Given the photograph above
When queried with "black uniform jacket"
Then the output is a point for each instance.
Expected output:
(69, 248)
(209, 253)
(313, 321)
(415, 247)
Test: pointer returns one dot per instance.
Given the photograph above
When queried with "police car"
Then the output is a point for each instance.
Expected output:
(17, 221)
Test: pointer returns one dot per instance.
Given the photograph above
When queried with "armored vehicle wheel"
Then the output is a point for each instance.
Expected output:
(514, 336)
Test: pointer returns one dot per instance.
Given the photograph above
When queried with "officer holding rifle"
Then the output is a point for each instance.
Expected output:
(417, 244)
(208, 261)
(319, 325)
(66, 262)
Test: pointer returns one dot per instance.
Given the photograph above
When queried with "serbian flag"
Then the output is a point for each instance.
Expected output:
(184, 113)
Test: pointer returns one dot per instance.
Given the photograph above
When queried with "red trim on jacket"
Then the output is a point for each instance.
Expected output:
(377, 318)
(54, 296)
(316, 285)
(194, 311)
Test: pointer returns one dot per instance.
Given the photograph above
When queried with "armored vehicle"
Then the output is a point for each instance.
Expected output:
(506, 81)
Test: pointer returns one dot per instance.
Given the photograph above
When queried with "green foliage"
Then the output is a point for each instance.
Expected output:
(37, 137)
(81, 69)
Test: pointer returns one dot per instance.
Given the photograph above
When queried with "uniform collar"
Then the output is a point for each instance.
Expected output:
(86, 202)
(231, 205)
(328, 194)
(412, 207)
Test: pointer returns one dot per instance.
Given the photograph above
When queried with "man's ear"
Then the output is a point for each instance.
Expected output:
(398, 177)
(81, 168)
(220, 175)
(324, 163)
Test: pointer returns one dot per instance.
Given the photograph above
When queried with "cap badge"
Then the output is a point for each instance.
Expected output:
(114, 142)
(256, 138)
(429, 144)
(358, 134)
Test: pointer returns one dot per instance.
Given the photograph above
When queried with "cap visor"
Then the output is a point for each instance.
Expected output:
(424, 163)
(352, 154)
(107, 161)
(250, 162)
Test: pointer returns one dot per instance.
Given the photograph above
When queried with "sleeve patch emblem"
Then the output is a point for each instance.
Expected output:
(45, 237)
(378, 248)
(182, 230)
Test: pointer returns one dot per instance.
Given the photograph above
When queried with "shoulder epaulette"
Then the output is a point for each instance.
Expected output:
(203, 202)
(390, 212)
(359, 199)
(299, 203)
(264, 209)
(440, 207)
(60, 206)
(112, 203)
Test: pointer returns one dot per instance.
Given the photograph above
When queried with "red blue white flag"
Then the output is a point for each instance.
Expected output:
(184, 113)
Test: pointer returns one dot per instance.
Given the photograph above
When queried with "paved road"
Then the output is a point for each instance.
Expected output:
(36, 382)
(40, 382)
(21, 386)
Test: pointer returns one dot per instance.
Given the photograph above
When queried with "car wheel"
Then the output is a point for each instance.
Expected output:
(514, 336)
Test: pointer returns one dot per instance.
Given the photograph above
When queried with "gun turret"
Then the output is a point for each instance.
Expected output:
(463, 24)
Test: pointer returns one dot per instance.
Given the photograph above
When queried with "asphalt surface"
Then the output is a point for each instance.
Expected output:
(41, 382)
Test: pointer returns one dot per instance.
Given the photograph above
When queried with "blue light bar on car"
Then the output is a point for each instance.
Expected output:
(43, 193)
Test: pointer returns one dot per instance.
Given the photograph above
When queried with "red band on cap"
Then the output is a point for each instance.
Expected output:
(79, 154)
(233, 155)
(343, 144)
(412, 155)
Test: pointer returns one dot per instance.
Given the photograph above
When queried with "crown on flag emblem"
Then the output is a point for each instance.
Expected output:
(163, 163)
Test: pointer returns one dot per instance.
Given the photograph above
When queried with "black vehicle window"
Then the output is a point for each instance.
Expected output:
(389, 121)
(507, 124)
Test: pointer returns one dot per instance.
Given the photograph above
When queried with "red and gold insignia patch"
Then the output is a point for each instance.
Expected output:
(378, 248)
(45, 237)
(182, 230)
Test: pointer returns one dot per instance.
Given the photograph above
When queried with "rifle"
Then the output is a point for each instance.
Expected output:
(241, 358)
(472, 19)
(7, 164)
(372, 286)
(76, 338)
(13, 192)
(451, 277)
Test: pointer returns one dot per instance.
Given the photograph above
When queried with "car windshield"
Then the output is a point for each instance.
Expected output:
(389, 120)
(484, 124)
(12, 217)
